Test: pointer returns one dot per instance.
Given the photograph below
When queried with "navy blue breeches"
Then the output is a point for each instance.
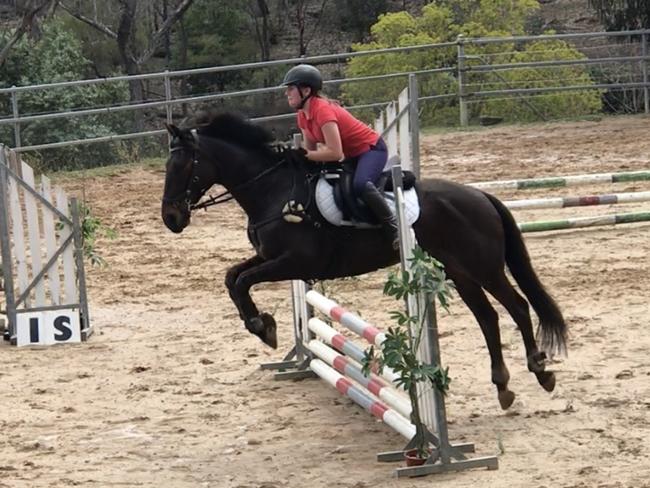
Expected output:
(370, 166)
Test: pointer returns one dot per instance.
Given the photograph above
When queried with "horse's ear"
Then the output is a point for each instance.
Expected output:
(173, 130)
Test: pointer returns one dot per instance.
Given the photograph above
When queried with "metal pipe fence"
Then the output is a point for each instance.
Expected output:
(471, 79)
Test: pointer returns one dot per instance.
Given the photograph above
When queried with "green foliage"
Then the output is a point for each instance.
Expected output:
(426, 275)
(57, 56)
(395, 30)
(214, 32)
(443, 21)
(99, 49)
(223, 33)
(493, 18)
(92, 228)
(396, 354)
(426, 281)
(551, 105)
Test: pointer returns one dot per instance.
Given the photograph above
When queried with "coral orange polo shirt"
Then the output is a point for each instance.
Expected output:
(356, 137)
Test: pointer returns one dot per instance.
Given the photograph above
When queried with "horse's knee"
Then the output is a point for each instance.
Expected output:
(240, 285)
(231, 278)
(241, 296)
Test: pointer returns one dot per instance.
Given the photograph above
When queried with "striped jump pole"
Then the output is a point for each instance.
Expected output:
(373, 383)
(565, 202)
(373, 335)
(562, 181)
(614, 219)
(356, 394)
(347, 319)
(345, 345)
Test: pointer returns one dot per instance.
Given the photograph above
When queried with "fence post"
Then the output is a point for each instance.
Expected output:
(168, 98)
(301, 309)
(644, 68)
(81, 275)
(464, 120)
(14, 107)
(438, 399)
(414, 123)
(5, 248)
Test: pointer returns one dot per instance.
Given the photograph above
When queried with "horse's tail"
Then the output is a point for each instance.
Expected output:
(552, 330)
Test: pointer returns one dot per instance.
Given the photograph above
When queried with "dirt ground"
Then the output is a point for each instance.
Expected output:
(168, 391)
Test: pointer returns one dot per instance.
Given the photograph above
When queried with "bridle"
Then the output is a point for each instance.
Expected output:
(185, 196)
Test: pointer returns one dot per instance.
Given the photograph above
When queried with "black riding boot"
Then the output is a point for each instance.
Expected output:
(376, 203)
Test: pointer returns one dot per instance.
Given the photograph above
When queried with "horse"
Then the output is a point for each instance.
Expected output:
(468, 230)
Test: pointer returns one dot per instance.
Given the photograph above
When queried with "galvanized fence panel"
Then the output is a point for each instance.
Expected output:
(461, 85)
(487, 77)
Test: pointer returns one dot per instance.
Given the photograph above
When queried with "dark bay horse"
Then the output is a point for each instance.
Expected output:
(469, 231)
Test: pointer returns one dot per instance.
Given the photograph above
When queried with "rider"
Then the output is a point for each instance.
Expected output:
(331, 133)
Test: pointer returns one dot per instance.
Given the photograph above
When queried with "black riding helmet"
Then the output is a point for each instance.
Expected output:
(304, 75)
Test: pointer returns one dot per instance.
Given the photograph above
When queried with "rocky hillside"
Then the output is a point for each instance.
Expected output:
(567, 16)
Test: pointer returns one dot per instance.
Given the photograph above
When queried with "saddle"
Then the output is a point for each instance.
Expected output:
(341, 180)
(327, 194)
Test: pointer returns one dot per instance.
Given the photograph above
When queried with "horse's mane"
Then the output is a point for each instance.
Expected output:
(233, 128)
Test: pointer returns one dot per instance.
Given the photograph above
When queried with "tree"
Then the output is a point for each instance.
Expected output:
(622, 14)
(212, 34)
(548, 105)
(125, 23)
(32, 13)
(441, 22)
(358, 16)
(300, 14)
(259, 11)
(57, 56)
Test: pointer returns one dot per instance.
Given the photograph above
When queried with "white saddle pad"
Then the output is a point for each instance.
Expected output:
(328, 209)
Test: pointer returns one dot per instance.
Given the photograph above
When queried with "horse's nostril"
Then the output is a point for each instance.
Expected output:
(175, 220)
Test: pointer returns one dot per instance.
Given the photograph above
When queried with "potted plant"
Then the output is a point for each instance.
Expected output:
(425, 282)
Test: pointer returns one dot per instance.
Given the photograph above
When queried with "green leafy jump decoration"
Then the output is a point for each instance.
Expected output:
(426, 280)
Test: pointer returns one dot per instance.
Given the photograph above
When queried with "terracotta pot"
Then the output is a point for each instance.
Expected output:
(412, 458)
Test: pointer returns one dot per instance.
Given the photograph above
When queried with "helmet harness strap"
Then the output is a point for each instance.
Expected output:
(303, 99)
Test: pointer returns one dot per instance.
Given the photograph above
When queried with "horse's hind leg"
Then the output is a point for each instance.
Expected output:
(518, 308)
(473, 295)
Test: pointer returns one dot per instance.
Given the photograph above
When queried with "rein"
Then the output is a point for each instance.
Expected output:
(227, 195)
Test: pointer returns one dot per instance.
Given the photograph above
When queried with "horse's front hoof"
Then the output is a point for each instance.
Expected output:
(506, 398)
(269, 335)
(263, 326)
(547, 380)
